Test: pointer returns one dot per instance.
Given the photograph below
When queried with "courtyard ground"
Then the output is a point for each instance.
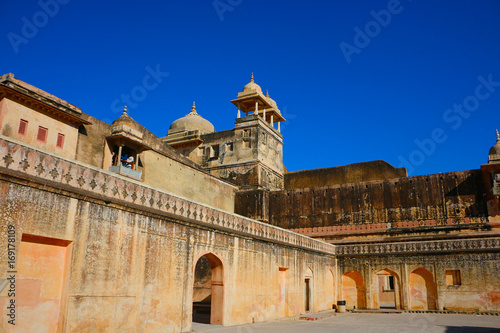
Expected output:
(369, 322)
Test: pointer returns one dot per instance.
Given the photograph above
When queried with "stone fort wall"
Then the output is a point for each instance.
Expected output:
(110, 253)
(451, 201)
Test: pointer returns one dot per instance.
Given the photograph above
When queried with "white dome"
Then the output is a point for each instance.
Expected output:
(191, 122)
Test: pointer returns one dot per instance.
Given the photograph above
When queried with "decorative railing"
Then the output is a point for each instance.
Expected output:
(20, 159)
(487, 244)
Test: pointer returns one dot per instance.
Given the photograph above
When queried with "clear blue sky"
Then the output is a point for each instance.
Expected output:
(349, 96)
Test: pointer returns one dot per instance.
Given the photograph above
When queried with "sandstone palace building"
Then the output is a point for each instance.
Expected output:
(109, 228)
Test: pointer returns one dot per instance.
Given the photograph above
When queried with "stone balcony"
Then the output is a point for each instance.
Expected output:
(127, 172)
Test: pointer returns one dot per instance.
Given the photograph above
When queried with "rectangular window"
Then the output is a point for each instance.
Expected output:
(23, 127)
(453, 277)
(247, 133)
(42, 134)
(389, 283)
(229, 146)
(215, 151)
(60, 140)
(247, 144)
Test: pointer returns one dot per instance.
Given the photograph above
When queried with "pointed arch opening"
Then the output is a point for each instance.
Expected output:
(353, 290)
(386, 290)
(208, 290)
(422, 290)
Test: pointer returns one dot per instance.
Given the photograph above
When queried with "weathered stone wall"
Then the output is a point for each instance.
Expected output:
(420, 201)
(351, 173)
(129, 252)
(250, 156)
(186, 181)
(254, 203)
(92, 144)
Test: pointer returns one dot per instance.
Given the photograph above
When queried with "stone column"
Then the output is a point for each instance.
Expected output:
(119, 159)
(239, 113)
(279, 127)
(256, 107)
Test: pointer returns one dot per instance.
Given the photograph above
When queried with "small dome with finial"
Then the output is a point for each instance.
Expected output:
(270, 100)
(191, 122)
(495, 150)
(124, 119)
(252, 87)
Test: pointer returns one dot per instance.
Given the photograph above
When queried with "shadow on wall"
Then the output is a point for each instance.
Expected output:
(472, 186)
(470, 329)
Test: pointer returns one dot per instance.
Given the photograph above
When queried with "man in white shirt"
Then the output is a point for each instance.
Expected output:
(130, 161)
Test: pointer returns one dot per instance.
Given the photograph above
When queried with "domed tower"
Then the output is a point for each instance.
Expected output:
(250, 155)
(184, 134)
(252, 101)
(491, 177)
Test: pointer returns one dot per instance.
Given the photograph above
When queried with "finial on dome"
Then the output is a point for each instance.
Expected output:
(498, 136)
(193, 108)
(124, 110)
(267, 93)
(251, 78)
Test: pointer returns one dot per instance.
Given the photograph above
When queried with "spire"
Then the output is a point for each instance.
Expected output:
(193, 109)
(267, 93)
(125, 111)
(251, 79)
(498, 136)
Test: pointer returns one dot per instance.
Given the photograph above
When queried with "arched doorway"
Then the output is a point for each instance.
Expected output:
(422, 290)
(308, 280)
(208, 290)
(353, 290)
(386, 290)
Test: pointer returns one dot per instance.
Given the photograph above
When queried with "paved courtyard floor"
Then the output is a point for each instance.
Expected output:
(369, 322)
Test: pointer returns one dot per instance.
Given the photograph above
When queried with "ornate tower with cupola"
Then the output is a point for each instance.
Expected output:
(250, 155)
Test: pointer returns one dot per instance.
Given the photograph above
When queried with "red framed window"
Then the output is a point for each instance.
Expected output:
(23, 127)
(60, 140)
(42, 134)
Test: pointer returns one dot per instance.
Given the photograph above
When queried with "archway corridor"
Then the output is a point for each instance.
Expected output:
(208, 290)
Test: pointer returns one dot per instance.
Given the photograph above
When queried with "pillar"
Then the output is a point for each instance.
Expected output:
(279, 127)
(256, 107)
(239, 113)
(119, 159)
